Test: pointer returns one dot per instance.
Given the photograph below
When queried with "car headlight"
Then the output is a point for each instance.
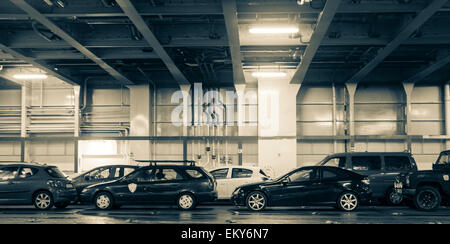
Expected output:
(366, 181)
(58, 184)
(407, 181)
(85, 190)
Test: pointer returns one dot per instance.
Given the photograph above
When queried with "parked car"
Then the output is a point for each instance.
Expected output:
(307, 186)
(427, 188)
(230, 177)
(41, 185)
(185, 186)
(381, 167)
(101, 174)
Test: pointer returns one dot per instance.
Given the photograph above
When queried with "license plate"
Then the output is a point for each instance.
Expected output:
(398, 185)
(69, 186)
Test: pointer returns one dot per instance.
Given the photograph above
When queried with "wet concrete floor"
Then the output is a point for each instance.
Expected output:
(222, 214)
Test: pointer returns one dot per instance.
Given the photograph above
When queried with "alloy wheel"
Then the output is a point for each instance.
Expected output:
(256, 201)
(348, 201)
(43, 200)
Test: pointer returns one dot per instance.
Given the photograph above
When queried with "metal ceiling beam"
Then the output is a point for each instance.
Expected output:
(51, 70)
(25, 42)
(231, 22)
(434, 66)
(130, 11)
(405, 33)
(323, 22)
(33, 13)
(80, 10)
(105, 55)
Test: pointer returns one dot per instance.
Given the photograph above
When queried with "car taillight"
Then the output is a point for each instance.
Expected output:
(212, 184)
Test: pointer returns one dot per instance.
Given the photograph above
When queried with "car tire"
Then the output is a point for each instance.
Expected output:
(103, 201)
(348, 201)
(43, 200)
(256, 201)
(392, 198)
(427, 198)
(61, 205)
(186, 201)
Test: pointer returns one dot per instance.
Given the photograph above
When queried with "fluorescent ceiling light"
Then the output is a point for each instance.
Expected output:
(30, 76)
(268, 74)
(274, 30)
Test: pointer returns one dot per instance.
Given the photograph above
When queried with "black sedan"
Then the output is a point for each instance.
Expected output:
(185, 186)
(307, 186)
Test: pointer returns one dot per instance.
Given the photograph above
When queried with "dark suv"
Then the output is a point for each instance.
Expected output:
(185, 186)
(427, 188)
(42, 185)
(381, 167)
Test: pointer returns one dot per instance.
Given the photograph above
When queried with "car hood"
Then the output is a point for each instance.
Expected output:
(258, 184)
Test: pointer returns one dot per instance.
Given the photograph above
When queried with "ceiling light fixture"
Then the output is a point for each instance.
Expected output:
(268, 74)
(274, 30)
(30, 76)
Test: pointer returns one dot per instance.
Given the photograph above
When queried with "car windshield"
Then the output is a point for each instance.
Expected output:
(55, 172)
(444, 159)
(321, 162)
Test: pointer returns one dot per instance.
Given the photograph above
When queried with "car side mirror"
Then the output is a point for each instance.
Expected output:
(87, 178)
(285, 181)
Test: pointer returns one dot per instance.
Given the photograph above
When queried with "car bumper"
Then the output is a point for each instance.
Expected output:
(238, 199)
(206, 196)
(65, 195)
(406, 192)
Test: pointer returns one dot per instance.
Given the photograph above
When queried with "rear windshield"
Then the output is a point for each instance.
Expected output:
(55, 172)
(194, 173)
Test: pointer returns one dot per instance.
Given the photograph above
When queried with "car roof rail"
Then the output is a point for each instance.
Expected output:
(155, 162)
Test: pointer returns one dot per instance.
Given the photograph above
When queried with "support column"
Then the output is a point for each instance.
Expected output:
(186, 103)
(140, 120)
(277, 124)
(447, 113)
(24, 122)
(76, 92)
(240, 92)
(351, 90)
(408, 88)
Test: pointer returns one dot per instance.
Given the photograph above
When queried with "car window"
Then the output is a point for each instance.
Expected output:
(194, 173)
(364, 163)
(147, 175)
(127, 171)
(444, 159)
(220, 173)
(167, 174)
(55, 172)
(397, 163)
(304, 175)
(8, 173)
(336, 162)
(263, 173)
(241, 173)
(99, 174)
(27, 172)
(328, 174)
